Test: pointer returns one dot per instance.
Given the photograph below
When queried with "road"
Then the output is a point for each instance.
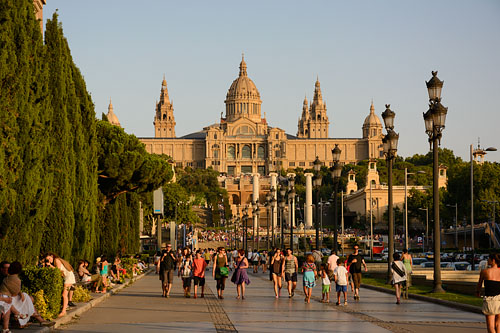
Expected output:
(140, 308)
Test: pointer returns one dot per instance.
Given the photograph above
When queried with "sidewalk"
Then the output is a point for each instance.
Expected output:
(80, 308)
(140, 308)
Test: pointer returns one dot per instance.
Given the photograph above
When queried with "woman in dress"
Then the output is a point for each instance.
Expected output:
(220, 261)
(14, 301)
(277, 271)
(398, 271)
(491, 301)
(408, 262)
(309, 278)
(240, 276)
(53, 260)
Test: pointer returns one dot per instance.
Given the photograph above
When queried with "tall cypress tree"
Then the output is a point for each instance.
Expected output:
(59, 225)
(23, 108)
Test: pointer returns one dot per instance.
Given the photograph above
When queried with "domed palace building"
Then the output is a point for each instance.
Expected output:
(244, 143)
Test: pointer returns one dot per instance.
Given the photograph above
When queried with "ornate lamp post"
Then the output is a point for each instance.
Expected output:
(245, 226)
(336, 171)
(255, 213)
(390, 145)
(317, 184)
(291, 199)
(282, 203)
(269, 197)
(434, 120)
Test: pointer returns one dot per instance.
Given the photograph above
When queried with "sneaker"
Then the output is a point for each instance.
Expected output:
(202, 296)
(345, 302)
(71, 304)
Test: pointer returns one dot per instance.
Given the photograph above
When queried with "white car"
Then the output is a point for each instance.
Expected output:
(460, 265)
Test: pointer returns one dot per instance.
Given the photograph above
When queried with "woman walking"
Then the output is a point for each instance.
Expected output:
(291, 269)
(277, 268)
(491, 301)
(309, 278)
(186, 273)
(398, 275)
(240, 276)
(408, 262)
(220, 271)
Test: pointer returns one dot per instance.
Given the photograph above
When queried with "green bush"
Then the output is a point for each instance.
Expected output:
(50, 281)
(127, 264)
(81, 295)
(145, 257)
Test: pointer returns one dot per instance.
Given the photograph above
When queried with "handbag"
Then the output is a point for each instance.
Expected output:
(224, 271)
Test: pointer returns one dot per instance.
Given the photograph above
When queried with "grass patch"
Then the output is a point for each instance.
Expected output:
(426, 291)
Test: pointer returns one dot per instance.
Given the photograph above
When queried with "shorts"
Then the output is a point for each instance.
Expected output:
(262, 262)
(167, 277)
(199, 281)
(255, 263)
(207, 261)
(339, 288)
(491, 305)
(325, 288)
(356, 278)
(186, 282)
(291, 277)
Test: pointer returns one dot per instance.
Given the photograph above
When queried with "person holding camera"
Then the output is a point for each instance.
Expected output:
(166, 270)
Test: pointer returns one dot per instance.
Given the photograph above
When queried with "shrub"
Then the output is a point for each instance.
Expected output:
(127, 264)
(41, 304)
(50, 282)
(81, 295)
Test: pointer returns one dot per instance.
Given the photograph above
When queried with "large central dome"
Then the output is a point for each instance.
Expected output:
(243, 98)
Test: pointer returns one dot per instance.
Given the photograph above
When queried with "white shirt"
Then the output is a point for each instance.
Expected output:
(340, 273)
(396, 278)
(332, 262)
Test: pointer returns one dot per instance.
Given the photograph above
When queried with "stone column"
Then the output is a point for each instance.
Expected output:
(308, 206)
(274, 177)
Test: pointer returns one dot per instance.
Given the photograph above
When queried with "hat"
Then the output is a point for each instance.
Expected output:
(98, 260)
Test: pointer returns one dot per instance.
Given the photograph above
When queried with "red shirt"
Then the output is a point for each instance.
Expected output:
(199, 266)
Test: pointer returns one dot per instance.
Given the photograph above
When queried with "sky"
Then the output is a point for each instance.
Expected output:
(361, 51)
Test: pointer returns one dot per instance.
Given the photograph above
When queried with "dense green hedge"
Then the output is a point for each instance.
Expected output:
(50, 281)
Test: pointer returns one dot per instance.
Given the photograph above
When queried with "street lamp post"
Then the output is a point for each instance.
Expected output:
(336, 172)
(255, 225)
(435, 119)
(291, 199)
(472, 153)
(245, 228)
(317, 184)
(282, 203)
(269, 198)
(390, 145)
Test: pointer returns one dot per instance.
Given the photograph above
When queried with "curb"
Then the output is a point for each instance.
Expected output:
(455, 305)
(89, 305)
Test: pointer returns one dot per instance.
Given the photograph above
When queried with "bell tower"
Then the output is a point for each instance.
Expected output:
(164, 119)
(314, 122)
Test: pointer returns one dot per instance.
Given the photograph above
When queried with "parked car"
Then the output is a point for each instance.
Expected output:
(427, 264)
(419, 261)
(446, 265)
(460, 265)
(326, 252)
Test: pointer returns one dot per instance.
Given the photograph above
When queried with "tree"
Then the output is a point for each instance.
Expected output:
(125, 166)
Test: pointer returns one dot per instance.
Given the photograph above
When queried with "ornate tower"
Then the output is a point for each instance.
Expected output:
(352, 186)
(303, 127)
(243, 98)
(112, 118)
(372, 175)
(164, 119)
(372, 132)
(314, 123)
(318, 126)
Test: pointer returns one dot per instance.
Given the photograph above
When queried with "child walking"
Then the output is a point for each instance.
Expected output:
(341, 278)
(325, 284)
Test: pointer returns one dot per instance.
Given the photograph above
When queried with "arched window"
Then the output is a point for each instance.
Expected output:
(261, 152)
(246, 152)
(231, 153)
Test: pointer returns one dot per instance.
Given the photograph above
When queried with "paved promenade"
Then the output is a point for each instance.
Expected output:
(140, 308)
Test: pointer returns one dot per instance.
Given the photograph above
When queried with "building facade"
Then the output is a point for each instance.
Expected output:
(244, 143)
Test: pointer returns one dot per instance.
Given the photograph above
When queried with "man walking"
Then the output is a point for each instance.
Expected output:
(167, 265)
(332, 264)
(355, 261)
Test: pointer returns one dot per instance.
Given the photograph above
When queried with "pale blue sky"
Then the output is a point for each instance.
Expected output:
(360, 50)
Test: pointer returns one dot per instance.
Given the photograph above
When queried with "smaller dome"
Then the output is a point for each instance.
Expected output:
(372, 119)
(112, 118)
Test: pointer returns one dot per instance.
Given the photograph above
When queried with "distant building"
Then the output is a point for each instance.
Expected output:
(244, 143)
(358, 201)
(38, 4)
